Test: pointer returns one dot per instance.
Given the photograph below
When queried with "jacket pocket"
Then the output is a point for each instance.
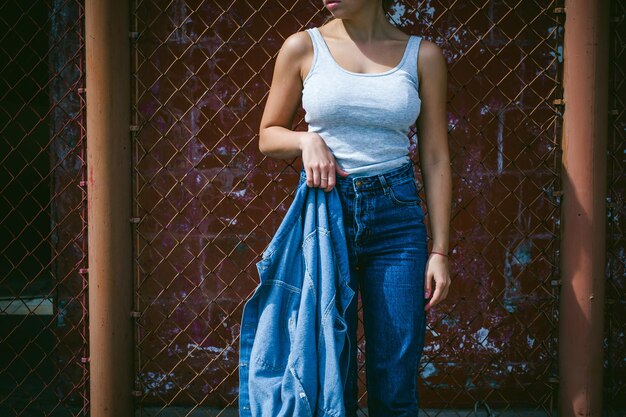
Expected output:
(278, 305)
(333, 360)
(340, 328)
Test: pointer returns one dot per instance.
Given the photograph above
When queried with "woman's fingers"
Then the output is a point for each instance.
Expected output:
(435, 300)
(316, 177)
(330, 183)
(309, 176)
(325, 178)
(322, 176)
(320, 164)
(341, 171)
(324, 182)
(333, 170)
(330, 176)
(441, 283)
(428, 283)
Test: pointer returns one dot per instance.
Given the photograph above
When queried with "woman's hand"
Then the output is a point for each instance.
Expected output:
(319, 162)
(437, 268)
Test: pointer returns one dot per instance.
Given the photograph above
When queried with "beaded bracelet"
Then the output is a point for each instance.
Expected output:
(432, 251)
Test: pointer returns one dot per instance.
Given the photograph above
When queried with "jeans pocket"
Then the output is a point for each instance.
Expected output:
(404, 193)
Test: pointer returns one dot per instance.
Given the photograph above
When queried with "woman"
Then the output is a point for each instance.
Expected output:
(363, 83)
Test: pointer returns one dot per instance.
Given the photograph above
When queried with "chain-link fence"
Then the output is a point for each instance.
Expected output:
(494, 341)
(207, 202)
(43, 297)
(615, 299)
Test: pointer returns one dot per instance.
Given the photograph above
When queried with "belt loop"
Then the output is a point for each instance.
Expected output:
(381, 177)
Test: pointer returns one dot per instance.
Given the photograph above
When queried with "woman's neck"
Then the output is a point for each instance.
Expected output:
(362, 30)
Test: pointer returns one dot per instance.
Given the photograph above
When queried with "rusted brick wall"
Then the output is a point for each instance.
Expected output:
(208, 202)
(43, 211)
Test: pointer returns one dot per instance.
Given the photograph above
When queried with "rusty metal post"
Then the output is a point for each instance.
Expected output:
(581, 310)
(109, 207)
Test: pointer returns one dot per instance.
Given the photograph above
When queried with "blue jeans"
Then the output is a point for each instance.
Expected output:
(386, 234)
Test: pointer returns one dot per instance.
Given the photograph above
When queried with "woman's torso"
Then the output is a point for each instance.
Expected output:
(364, 118)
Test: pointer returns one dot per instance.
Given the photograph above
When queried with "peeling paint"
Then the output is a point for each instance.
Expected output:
(192, 348)
(156, 383)
(520, 256)
(482, 337)
(429, 370)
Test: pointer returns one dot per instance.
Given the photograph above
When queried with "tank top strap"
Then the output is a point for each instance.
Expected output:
(410, 63)
(320, 56)
(318, 42)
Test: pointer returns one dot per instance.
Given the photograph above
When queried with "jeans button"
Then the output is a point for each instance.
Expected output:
(358, 183)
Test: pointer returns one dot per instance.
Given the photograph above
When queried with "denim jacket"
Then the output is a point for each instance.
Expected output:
(293, 353)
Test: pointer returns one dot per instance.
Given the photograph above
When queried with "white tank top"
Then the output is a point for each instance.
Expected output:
(364, 119)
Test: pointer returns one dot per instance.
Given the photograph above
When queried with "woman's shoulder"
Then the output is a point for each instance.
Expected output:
(296, 51)
(431, 59)
(297, 45)
(429, 50)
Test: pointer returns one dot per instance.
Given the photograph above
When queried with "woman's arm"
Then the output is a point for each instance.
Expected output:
(435, 163)
(276, 139)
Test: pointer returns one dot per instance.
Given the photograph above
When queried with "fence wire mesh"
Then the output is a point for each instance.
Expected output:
(207, 201)
(615, 292)
(43, 297)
